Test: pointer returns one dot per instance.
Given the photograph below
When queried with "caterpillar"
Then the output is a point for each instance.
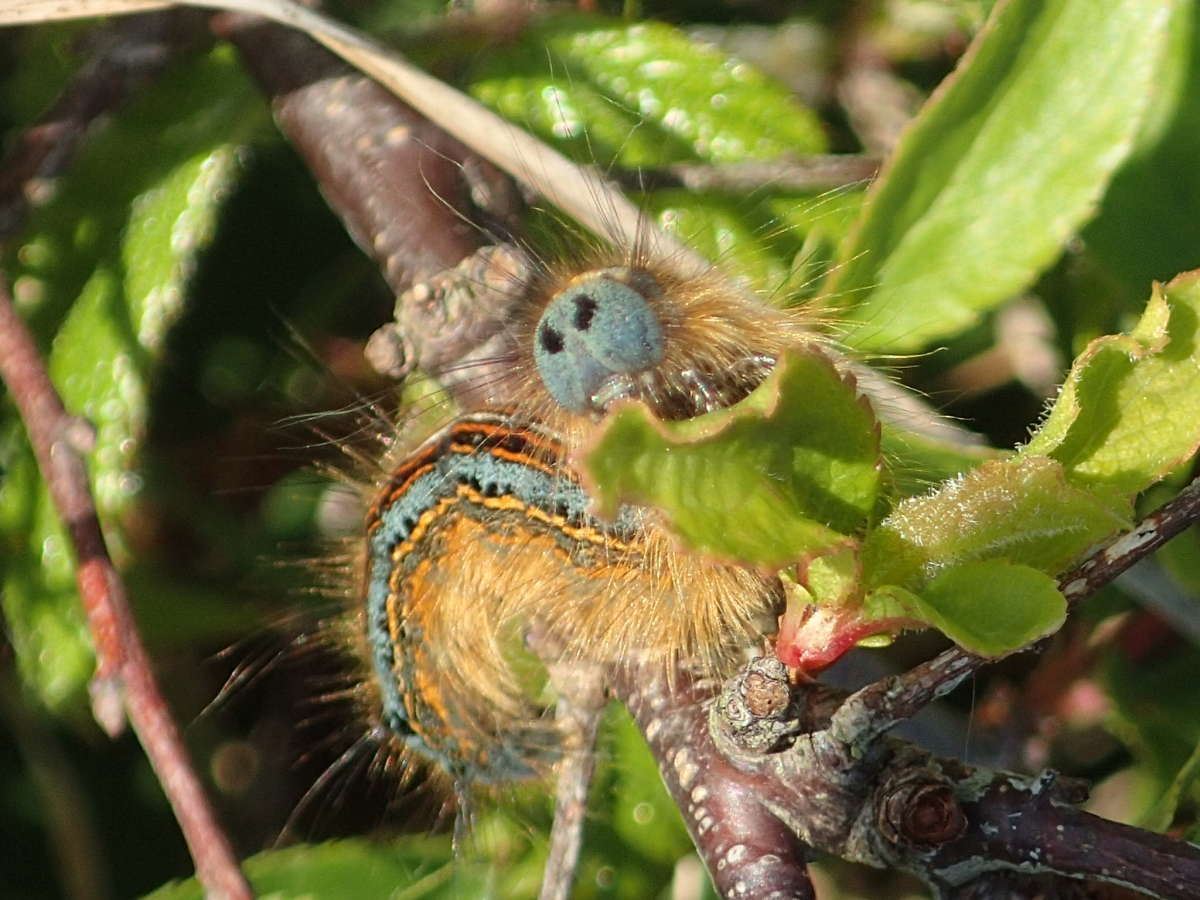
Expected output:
(483, 531)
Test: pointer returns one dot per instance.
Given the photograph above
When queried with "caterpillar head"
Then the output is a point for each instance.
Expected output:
(683, 345)
(596, 336)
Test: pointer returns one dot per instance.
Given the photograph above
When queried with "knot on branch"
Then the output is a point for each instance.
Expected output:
(920, 810)
(1055, 786)
(440, 320)
(78, 433)
(754, 711)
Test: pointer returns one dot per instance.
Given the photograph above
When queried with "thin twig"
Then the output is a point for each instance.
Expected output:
(1177, 514)
(579, 711)
(1027, 822)
(819, 172)
(894, 805)
(123, 674)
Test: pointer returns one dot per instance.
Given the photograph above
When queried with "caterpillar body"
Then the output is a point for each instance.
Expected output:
(483, 531)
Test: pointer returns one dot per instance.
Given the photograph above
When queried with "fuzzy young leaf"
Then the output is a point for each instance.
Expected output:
(918, 462)
(789, 471)
(991, 607)
(1007, 159)
(1129, 411)
(1023, 510)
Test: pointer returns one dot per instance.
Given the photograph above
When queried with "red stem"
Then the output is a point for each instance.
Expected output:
(122, 666)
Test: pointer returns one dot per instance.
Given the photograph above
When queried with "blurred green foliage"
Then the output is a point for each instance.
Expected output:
(192, 292)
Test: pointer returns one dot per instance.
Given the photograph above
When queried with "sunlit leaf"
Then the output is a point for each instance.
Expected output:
(991, 607)
(785, 473)
(646, 94)
(1008, 158)
(1129, 411)
(350, 870)
(1023, 510)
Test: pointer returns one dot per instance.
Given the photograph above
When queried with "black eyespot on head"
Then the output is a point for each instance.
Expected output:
(551, 340)
(585, 309)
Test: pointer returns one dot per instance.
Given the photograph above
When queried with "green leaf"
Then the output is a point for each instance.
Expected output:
(647, 95)
(641, 94)
(1181, 558)
(1129, 411)
(1162, 814)
(1128, 414)
(1023, 510)
(346, 870)
(790, 470)
(643, 815)
(1007, 159)
(991, 607)
(630, 847)
(1157, 191)
(782, 243)
(916, 463)
(1155, 709)
(100, 277)
(635, 833)
(834, 578)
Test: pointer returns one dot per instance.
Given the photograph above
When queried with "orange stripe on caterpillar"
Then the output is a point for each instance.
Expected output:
(484, 531)
(477, 547)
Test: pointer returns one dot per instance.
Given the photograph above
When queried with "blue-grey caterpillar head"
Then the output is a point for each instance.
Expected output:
(595, 335)
(683, 344)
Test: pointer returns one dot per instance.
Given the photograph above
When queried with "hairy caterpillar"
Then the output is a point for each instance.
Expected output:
(483, 531)
(467, 548)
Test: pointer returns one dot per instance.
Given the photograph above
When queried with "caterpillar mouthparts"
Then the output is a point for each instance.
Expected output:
(484, 531)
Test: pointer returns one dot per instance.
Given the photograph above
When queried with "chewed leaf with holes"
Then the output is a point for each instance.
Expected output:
(792, 469)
